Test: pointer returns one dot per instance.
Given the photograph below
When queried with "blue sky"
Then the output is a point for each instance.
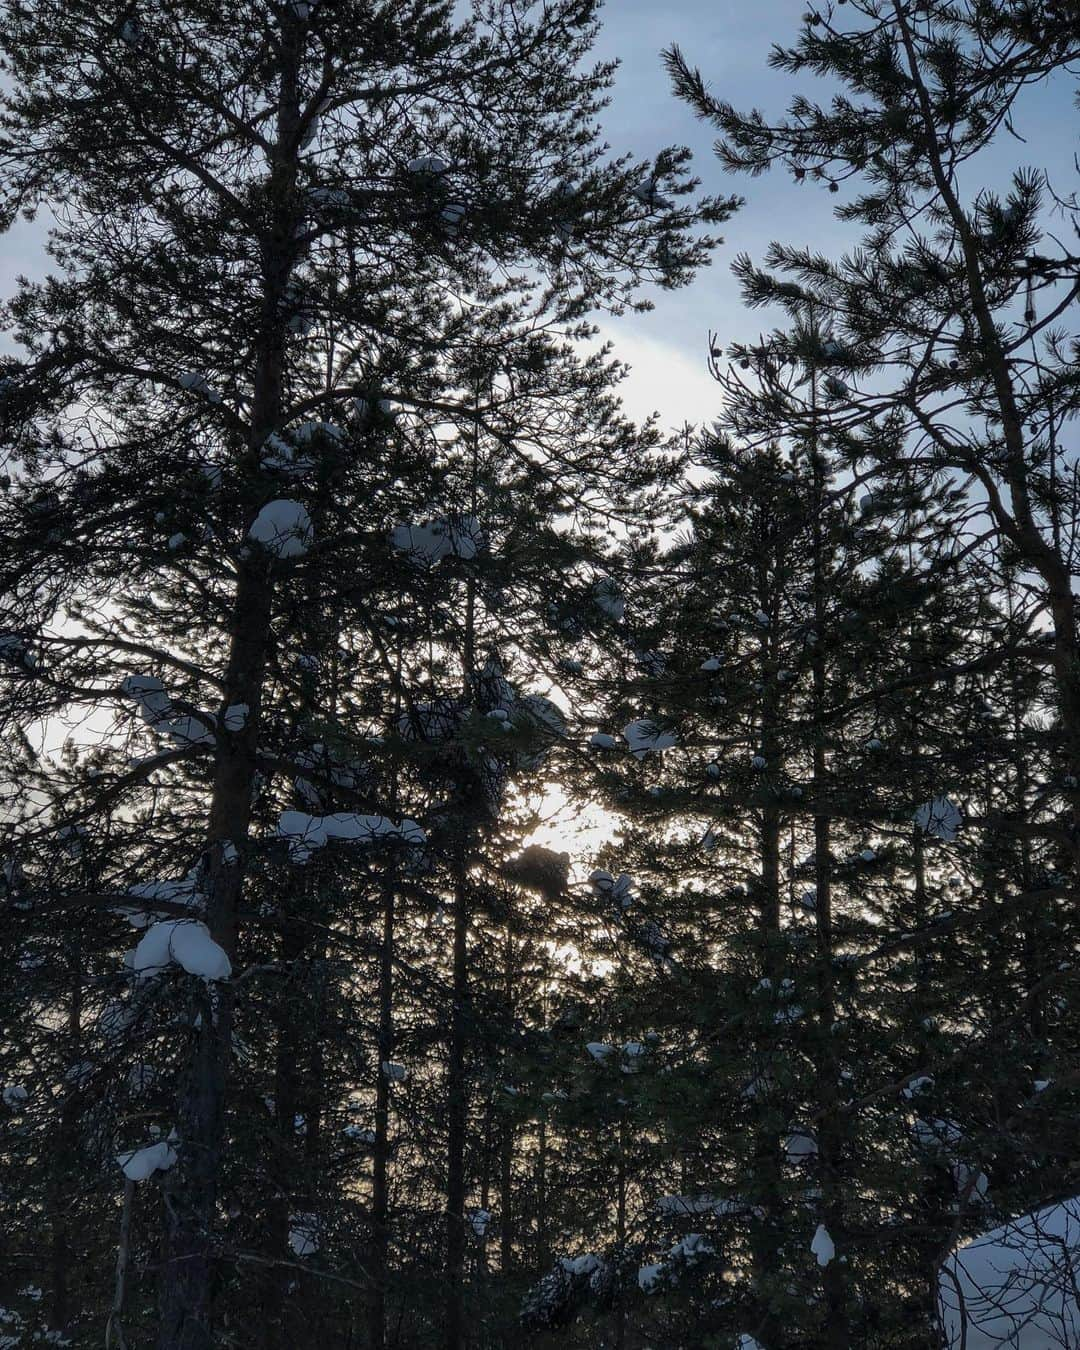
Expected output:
(730, 41)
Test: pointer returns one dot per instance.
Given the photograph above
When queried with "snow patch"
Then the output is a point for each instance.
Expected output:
(618, 889)
(307, 833)
(195, 383)
(917, 1086)
(691, 1248)
(823, 1246)
(141, 1163)
(428, 164)
(185, 942)
(184, 891)
(648, 194)
(156, 708)
(608, 597)
(283, 528)
(800, 1147)
(1016, 1285)
(649, 1277)
(429, 543)
(937, 1135)
(304, 1234)
(645, 737)
(939, 817)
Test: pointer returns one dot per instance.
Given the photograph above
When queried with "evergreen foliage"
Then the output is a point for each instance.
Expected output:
(332, 570)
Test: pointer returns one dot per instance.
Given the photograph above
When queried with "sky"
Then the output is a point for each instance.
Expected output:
(730, 41)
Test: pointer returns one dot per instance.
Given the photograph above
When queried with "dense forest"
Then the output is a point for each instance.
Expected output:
(339, 592)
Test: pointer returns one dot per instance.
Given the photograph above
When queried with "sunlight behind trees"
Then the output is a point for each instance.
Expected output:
(497, 850)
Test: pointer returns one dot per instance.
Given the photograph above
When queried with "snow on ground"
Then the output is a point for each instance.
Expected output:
(1017, 1285)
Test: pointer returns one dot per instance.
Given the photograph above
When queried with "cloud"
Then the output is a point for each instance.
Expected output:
(664, 377)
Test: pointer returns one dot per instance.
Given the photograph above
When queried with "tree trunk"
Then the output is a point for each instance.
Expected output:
(831, 1132)
(767, 1230)
(114, 1328)
(542, 1253)
(380, 1195)
(485, 1180)
(457, 1120)
(190, 1188)
(506, 1198)
(620, 1240)
(67, 1143)
(506, 1142)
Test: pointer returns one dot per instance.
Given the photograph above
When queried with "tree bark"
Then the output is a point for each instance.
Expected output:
(620, 1238)
(542, 1253)
(457, 1119)
(506, 1142)
(831, 1132)
(114, 1328)
(380, 1195)
(767, 1230)
(67, 1139)
(190, 1188)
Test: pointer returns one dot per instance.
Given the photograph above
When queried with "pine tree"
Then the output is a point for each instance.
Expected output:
(817, 684)
(275, 270)
(980, 388)
(943, 356)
